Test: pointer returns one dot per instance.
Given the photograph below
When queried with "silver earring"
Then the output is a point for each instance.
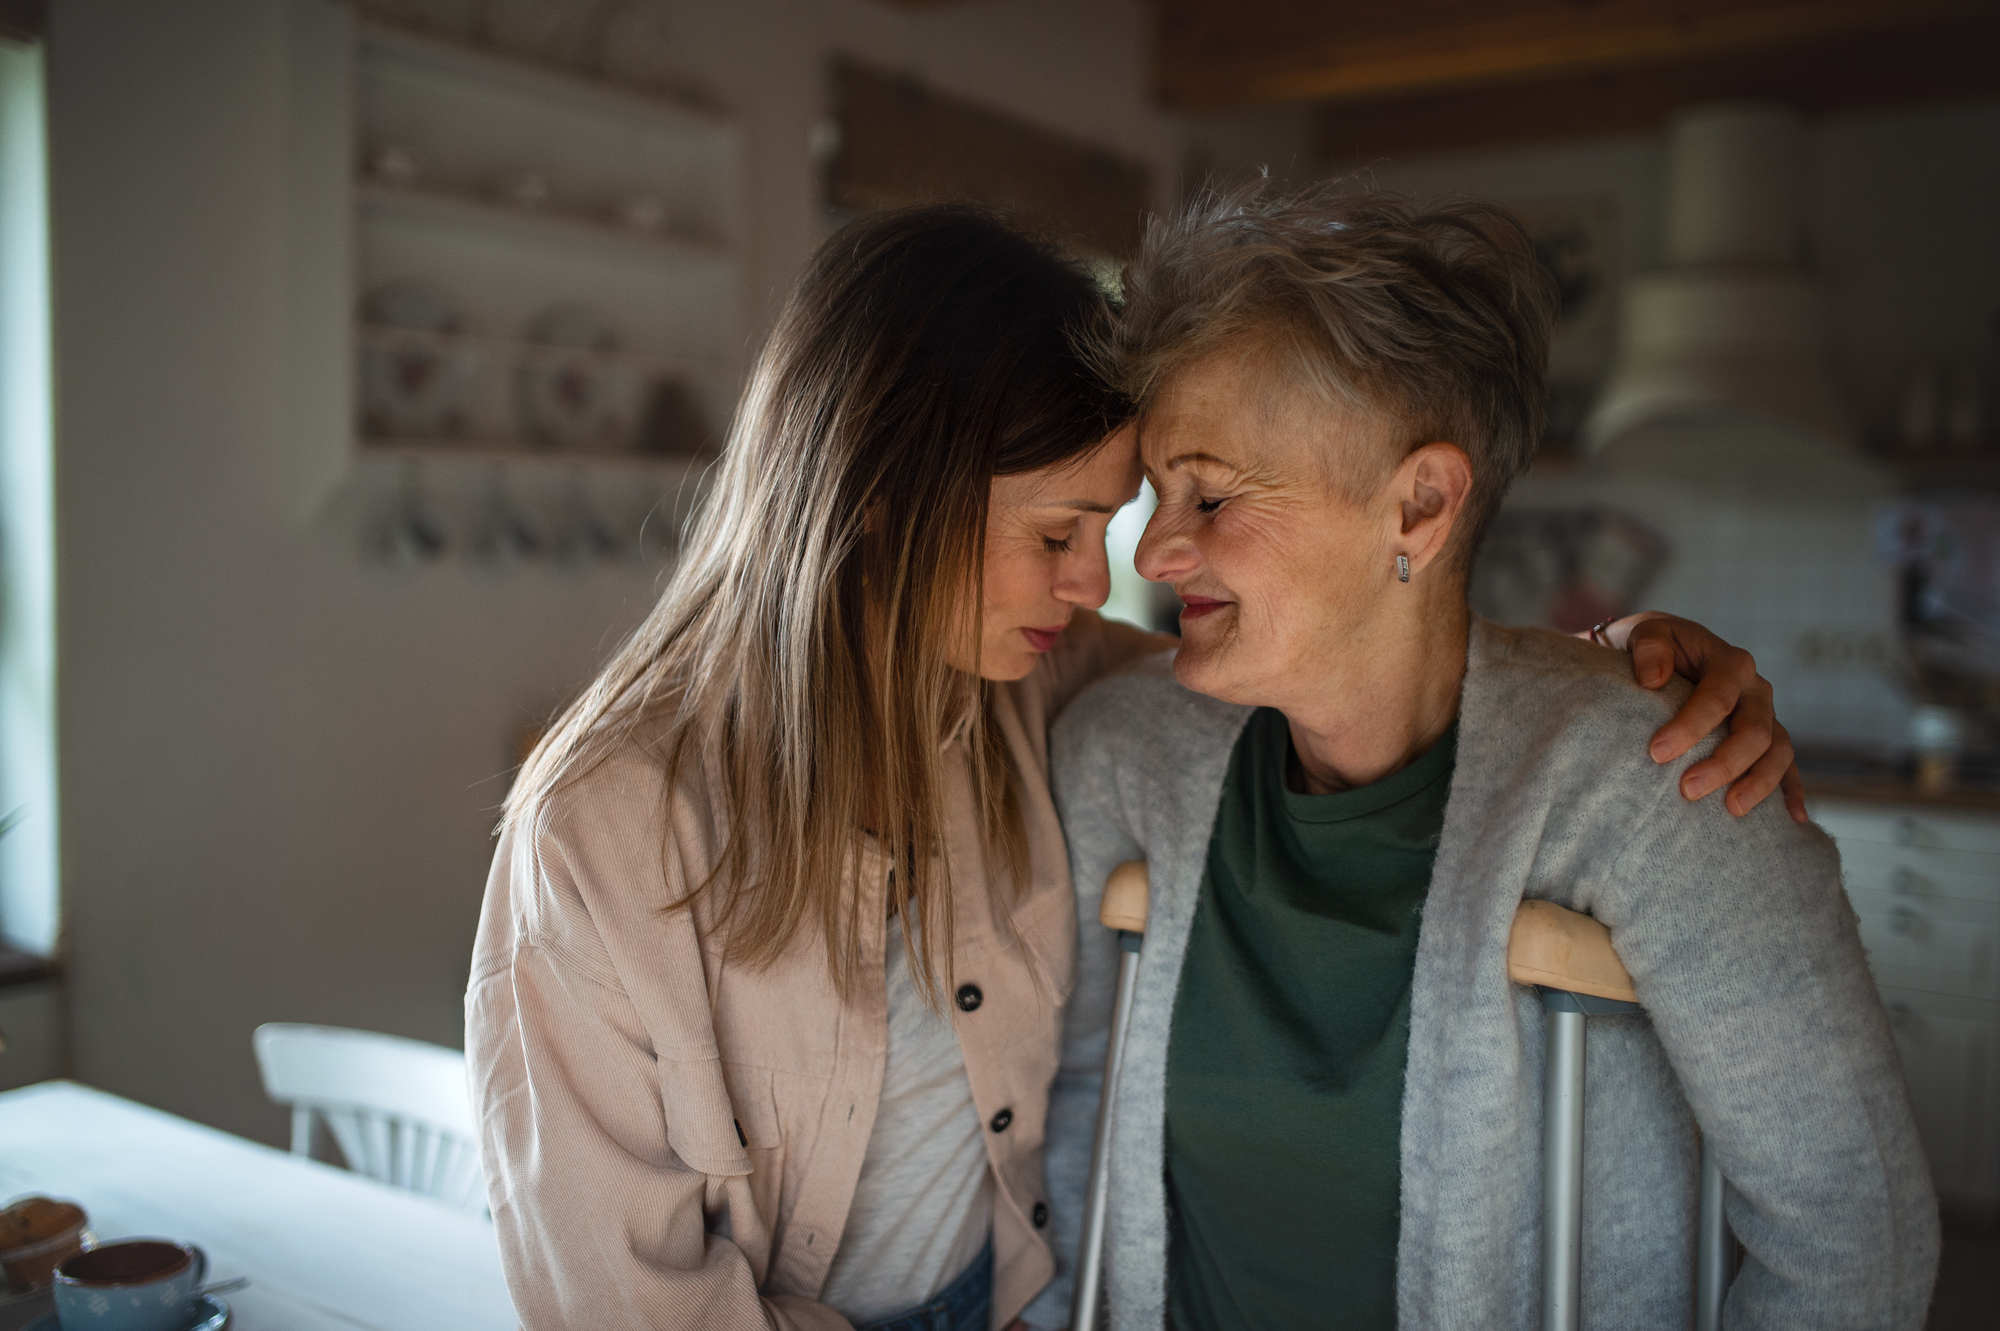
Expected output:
(1402, 568)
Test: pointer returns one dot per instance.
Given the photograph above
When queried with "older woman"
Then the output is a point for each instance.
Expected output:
(1331, 1097)
(766, 998)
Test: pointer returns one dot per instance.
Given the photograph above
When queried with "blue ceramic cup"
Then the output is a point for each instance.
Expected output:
(134, 1285)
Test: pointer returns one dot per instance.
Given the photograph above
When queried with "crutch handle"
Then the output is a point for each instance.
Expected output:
(1560, 949)
(1124, 904)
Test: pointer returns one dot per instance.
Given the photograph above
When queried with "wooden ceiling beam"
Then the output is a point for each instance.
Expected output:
(1212, 55)
(1932, 63)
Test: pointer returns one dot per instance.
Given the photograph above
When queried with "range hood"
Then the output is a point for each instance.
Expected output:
(1731, 332)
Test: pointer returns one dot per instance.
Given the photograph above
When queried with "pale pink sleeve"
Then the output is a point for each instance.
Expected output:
(600, 1223)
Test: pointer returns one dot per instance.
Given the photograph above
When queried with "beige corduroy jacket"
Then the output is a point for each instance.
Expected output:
(671, 1142)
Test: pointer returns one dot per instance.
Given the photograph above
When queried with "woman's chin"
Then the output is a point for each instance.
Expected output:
(1194, 666)
(1205, 668)
(1006, 667)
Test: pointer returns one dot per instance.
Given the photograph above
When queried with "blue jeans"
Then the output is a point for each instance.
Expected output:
(964, 1304)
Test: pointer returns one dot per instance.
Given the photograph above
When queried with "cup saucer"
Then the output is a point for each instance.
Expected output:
(210, 1314)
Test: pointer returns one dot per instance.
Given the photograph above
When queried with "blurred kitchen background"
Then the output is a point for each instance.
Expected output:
(361, 362)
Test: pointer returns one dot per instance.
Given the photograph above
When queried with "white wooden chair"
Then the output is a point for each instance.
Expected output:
(398, 1109)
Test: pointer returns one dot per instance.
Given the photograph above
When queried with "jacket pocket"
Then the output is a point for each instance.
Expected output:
(753, 1100)
(701, 1116)
(754, 1105)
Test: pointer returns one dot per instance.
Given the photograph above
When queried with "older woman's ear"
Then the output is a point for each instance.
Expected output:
(1431, 487)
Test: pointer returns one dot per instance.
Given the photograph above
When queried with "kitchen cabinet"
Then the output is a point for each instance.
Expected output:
(1925, 884)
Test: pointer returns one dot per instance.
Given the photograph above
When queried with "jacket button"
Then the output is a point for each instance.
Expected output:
(1002, 1119)
(1041, 1215)
(969, 998)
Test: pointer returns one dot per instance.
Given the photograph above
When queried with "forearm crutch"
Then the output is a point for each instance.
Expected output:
(1123, 909)
(1568, 957)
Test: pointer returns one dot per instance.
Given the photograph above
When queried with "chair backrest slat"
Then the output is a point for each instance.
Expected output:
(398, 1109)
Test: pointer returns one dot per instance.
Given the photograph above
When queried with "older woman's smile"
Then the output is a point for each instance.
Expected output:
(1195, 607)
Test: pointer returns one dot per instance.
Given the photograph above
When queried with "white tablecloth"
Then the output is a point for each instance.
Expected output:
(327, 1250)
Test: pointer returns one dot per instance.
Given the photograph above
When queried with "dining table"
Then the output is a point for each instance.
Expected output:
(324, 1249)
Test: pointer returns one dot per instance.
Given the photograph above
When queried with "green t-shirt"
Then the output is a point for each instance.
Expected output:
(1291, 1032)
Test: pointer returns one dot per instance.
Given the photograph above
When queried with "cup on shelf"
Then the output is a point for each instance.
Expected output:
(133, 1285)
(417, 382)
(573, 392)
(37, 1234)
(415, 389)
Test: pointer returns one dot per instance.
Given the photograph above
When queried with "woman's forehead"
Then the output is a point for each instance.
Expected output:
(1210, 416)
(1102, 482)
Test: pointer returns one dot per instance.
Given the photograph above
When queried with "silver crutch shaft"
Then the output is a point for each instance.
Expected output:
(1562, 1167)
(1563, 1017)
(1712, 1248)
(1123, 909)
(1087, 1301)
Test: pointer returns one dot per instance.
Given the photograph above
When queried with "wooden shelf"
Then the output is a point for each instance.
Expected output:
(466, 210)
(492, 452)
(543, 81)
(471, 115)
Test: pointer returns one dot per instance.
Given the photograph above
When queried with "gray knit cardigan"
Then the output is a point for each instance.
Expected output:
(1764, 1026)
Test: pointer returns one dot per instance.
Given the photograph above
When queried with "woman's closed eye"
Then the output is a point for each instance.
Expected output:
(1206, 505)
(1059, 547)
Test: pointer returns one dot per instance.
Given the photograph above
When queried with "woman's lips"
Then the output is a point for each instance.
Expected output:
(1194, 607)
(1042, 639)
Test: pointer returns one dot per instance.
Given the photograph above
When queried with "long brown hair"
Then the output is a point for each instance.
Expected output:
(800, 647)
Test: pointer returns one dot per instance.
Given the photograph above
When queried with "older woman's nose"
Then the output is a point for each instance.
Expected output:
(1164, 554)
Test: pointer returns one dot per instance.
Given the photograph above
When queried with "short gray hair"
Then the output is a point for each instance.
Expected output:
(1437, 318)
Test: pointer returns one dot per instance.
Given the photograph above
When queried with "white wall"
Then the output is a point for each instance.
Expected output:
(279, 762)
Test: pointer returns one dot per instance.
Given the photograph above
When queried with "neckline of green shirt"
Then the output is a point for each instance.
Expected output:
(1434, 764)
